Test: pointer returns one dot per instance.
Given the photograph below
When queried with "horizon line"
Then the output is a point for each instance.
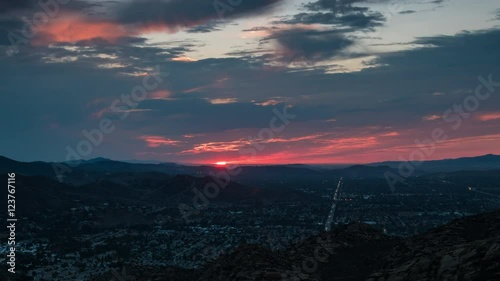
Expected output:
(157, 162)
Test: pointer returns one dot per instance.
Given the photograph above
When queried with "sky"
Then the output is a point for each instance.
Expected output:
(249, 82)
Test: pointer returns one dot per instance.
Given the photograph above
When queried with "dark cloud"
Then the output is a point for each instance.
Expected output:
(345, 13)
(309, 45)
(466, 48)
(347, 17)
(339, 6)
(12, 5)
(314, 45)
(247, 53)
(342, 13)
(358, 20)
(8, 6)
(187, 13)
(205, 28)
(261, 28)
(406, 12)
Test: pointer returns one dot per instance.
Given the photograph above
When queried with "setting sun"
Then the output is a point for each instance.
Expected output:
(221, 163)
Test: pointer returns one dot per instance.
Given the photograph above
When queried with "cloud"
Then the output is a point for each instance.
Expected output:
(183, 59)
(407, 12)
(176, 14)
(323, 30)
(341, 13)
(309, 45)
(75, 29)
(489, 116)
(157, 141)
(9, 5)
(223, 100)
(431, 117)
(271, 102)
(116, 22)
(348, 18)
(30, 7)
(210, 147)
(160, 95)
(392, 96)
(206, 28)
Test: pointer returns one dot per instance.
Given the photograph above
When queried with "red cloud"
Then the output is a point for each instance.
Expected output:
(71, 28)
(157, 141)
(489, 116)
(160, 95)
(217, 147)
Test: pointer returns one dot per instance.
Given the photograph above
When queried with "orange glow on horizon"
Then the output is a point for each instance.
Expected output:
(221, 163)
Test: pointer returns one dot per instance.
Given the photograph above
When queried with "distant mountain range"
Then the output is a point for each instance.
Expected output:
(99, 166)
(485, 162)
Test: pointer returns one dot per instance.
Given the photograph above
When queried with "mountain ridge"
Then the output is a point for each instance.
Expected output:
(375, 170)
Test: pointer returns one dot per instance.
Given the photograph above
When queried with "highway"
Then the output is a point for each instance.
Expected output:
(331, 215)
(484, 193)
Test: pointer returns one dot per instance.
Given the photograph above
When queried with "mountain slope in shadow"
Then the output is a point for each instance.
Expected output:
(465, 249)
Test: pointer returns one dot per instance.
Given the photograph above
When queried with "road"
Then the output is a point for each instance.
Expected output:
(329, 220)
(484, 193)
